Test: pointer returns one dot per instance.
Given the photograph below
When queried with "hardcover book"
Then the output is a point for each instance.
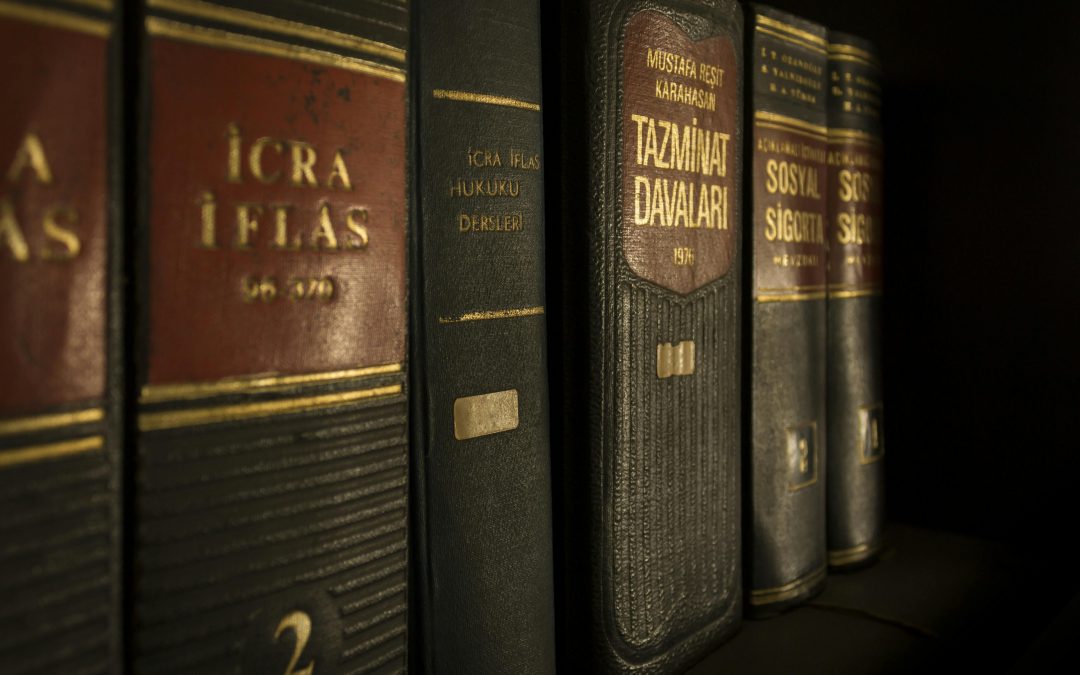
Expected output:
(856, 442)
(271, 464)
(60, 372)
(645, 118)
(785, 561)
(482, 486)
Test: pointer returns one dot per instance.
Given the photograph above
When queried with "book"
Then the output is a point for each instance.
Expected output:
(785, 520)
(60, 373)
(482, 476)
(856, 442)
(269, 505)
(645, 311)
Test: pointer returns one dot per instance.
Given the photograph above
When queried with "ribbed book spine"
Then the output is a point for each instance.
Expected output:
(270, 485)
(648, 133)
(856, 442)
(482, 463)
(60, 411)
(786, 487)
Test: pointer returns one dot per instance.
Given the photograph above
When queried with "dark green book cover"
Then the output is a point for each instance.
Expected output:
(270, 500)
(482, 489)
(785, 487)
(645, 120)
(856, 441)
(60, 354)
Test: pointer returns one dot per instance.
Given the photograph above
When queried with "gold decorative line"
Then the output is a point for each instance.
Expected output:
(837, 135)
(809, 287)
(36, 453)
(763, 20)
(777, 118)
(493, 314)
(213, 37)
(103, 5)
(791, 130)
(24, 425)
(861, 293)
(172, 419)
(853, 59)
(837, 50)
(470, 97)
(55, 19)
(793, 40)
(847, 556)
(768, 596)
(239, 385)
(792, 297)
(239, 17)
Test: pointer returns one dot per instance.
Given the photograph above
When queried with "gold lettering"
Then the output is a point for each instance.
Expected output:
(355, 219)
(247, 222)
(340, 172)
(324, 231)
(59, 234)
(281, 229)
(232, 132)
(10, 234)
(255, 159)
(303, 162)
(207, 211)
(30, 154)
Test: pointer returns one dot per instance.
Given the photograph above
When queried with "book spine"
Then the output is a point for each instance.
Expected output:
(271, 470)
(649, 264)
(786, 488)
(482, 467)
(60, 410)
(856, 443)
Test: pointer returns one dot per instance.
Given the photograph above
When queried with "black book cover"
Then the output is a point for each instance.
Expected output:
(785, 520)
(482, 476)
(645, 124)
(61, 373)
(269, 503)
(856, 443)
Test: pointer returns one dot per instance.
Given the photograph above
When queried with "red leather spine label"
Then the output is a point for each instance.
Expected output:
(789, 211)
(680, 201)
(53, 215)
(855, 259)
(277, 215)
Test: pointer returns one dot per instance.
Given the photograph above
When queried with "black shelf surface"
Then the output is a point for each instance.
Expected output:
(934, 600)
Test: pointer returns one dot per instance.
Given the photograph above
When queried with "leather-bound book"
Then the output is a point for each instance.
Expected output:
(785, 518)
(60, 327)
(271, 468)
(856, 443)
(483, 598)
(645, 123)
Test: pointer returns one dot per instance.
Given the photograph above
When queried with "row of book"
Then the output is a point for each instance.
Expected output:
(370, 336)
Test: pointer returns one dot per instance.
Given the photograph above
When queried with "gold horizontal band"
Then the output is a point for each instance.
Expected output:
(807, 287)
(776, 118)
(836, 135)
(240, 385)
(856, 293)
(855, 554)
(272, 24)
(792, 130)
(768, 596)
(791, 297)
(36, 453)
(842, 52)
(103, 5)
(55, 19)
(763, 20)
(172, 419)
(471, 97)
(791, 40)
(493, 314)
(23, 425)
(213, 37)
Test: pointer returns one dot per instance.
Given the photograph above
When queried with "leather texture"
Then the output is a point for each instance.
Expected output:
(647, 467)
(60, 357)
(269, 521)
(482, 503)
(785, 558)
(856, 478)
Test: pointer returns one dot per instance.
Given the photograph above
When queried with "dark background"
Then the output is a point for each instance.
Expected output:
(982, 241)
